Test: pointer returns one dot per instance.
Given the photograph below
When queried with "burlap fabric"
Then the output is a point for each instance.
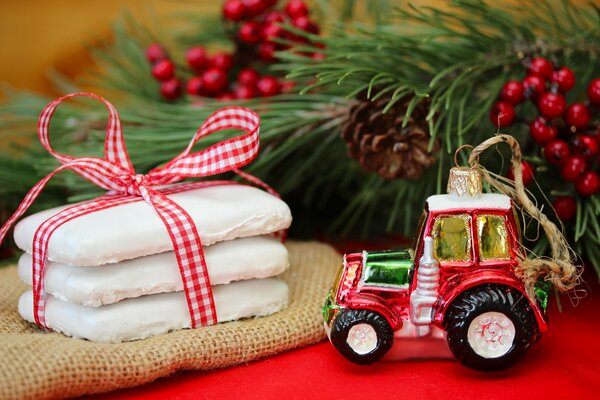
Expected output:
(42, 365)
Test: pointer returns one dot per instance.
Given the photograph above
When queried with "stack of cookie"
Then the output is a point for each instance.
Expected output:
(112, 276)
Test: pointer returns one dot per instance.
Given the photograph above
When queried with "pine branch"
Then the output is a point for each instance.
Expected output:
(457, 59)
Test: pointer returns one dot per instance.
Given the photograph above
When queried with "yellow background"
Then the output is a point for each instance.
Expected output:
(38, 35)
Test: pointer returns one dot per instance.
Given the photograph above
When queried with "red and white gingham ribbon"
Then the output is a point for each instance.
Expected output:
(115, 173)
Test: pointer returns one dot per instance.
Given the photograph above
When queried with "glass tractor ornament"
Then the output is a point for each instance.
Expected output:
(456, 286)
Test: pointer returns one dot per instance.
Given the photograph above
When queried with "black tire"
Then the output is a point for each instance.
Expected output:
(490, 298)
(346, 319)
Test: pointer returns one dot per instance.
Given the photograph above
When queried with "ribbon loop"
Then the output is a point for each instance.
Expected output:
(115, 173)
(115, 151)
(223, 156)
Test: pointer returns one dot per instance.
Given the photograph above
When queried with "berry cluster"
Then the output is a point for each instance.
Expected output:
(163, 70)
(254, 26)
(567, 133)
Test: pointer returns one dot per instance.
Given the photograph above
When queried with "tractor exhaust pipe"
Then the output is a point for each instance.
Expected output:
(425, 295)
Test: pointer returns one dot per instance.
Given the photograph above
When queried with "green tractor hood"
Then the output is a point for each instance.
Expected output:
(388, 267)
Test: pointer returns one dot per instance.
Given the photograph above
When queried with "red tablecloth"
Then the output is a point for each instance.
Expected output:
(564, 364)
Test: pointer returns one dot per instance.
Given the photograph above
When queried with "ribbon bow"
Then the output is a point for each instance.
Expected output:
(114, 172)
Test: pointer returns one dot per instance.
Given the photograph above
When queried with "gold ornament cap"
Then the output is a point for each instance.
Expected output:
(464, 181)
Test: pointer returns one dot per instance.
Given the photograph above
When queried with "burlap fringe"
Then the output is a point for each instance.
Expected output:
(45, 365)
(560, 269)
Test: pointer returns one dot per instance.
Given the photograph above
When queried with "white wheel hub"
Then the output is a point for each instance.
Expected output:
(362, 339)
(491, 334)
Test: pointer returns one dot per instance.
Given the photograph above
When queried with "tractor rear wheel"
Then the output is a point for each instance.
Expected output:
(490, 327)
(362, 336)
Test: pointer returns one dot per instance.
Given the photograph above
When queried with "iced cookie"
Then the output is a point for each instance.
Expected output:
(157, 314)
(134, 230)
(239, 259)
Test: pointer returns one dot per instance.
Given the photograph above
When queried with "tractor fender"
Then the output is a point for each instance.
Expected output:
(374, 303)
(452, 289)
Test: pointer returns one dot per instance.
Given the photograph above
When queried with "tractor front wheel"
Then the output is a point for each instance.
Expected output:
(490, 327)
(362, 336)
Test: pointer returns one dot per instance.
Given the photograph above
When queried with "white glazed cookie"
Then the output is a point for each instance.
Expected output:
(157, 314)
(235, 260)
(134, 230)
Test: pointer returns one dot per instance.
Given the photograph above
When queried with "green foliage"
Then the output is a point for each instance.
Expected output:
(457, 57)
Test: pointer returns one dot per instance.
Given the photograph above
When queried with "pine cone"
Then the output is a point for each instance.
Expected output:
(381, 145)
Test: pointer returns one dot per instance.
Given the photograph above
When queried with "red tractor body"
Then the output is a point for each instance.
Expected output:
(445, 287)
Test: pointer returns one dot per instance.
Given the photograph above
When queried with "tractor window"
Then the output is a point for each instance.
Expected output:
(391, 274)
(452, 238)
(493, 237)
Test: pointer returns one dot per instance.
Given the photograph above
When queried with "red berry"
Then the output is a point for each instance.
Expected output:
(233, 10)
(244, 92)
(273, 16)
(542, 67)
(513, 92)
(534, 86)
(527, 173)
(304, 23)
(248, 77)
(573, 168)
(214, 80)
(318, 56)
(593, 91)
(588, 184)
(565, 207)
(288, 86)
(578, 115)
(163, 70)
(250, 32)
(301, 22)
(586, 145)
(155, 53)
(557, 152)
(268, 86)
(222, 61)
(502, 114)
(170, 89)
(255, 7)
(196, 57)
(272, 31)
(266, 50)
(564, 78)
(195, 86)
(541, 131)
(296, 8)
(552, 105)
(227, 96)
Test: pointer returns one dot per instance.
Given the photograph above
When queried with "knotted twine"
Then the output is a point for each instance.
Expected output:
(560, 269)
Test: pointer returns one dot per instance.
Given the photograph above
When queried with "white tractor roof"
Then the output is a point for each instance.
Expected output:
(447, 202)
